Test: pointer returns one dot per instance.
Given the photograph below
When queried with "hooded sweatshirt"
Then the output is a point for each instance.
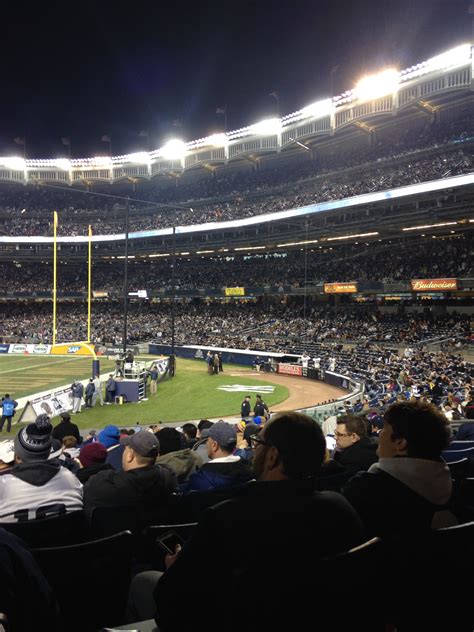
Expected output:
(145, 487)
(38, 490)
(399, 494)
(182, 462)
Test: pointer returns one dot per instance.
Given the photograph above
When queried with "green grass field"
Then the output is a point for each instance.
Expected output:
(191, 394)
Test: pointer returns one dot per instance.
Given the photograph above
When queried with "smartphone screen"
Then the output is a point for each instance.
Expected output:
(169, 540)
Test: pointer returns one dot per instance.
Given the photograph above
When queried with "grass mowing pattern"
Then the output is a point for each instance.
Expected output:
(191, 394)
(25, 375)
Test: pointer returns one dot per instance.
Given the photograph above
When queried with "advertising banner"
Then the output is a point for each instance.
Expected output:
(290, 369)
(340, 288)
(79, 348)
(51, 404)
(434, 285)
(4, 348)
(235, 291)
(39, 349)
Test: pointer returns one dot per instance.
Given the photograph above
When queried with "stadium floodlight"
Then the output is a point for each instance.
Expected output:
(140, 157)
(173, 150)
(218, 140)
(267, 127)
(376, 86)
(318, 109)
(102, 161)
(204, 252)
(161, 254)
(14, 162)
(63, 163)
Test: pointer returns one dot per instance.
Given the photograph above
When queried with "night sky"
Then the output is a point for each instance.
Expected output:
(85, 69)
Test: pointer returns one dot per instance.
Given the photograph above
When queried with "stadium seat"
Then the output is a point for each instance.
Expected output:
(453, 456)
(106, 521)
(90, 580)
(57, 531)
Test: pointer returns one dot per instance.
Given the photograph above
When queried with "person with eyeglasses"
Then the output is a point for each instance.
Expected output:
(355, 452)
(268, 538)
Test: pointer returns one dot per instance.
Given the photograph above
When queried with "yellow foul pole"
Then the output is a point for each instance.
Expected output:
(55, 224)
(89, 286)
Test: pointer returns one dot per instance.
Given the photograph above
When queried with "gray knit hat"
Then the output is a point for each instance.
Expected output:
(33, 443)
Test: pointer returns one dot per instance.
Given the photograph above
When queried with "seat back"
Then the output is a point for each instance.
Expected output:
(100, 569)
(106, 521)
(56, 531)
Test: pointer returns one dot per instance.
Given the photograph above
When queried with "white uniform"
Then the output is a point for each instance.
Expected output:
(21, 500)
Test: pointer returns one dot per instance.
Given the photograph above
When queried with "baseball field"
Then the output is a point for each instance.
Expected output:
(191, 394)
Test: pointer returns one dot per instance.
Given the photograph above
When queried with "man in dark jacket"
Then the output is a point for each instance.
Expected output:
(268, 538)
(90, 390)
(402, 492)
(110, 388)
(260, 409)
(245, 408)
(355, 452)
(223, 469)
(141, 484)
(77, 390)
(66, 428)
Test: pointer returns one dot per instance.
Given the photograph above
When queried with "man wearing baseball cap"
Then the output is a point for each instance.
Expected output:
(141, 483)
(224, 469)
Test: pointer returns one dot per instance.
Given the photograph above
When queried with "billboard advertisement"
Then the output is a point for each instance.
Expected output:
(78, 348)
(4, 348)
(340, 288)
(434, 285)
(39, 349)
(235, 291)
(290, 369)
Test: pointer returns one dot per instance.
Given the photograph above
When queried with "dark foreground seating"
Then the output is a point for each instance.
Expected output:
(90, 580)
(55, 531)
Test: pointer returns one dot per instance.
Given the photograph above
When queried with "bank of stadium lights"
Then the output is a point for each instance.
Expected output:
(319, 109)
(440, 225)
(267, 127)
(14, 162)
(378, 85)
(457, 56)
(215, 140)
(140, 157)
(173, 150)
(204, 252)
(162, 254)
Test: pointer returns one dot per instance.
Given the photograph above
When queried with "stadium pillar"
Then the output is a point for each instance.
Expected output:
(125, 278)
(173, 289)
(95, 368)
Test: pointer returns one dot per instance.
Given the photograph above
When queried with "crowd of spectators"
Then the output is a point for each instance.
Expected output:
(394, 260)
(259, 326)
(394, 161)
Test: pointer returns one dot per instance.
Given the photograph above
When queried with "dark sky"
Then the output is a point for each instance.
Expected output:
(84, 69)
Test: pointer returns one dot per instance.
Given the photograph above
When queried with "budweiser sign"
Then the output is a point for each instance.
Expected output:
(340, 288)
(434, 285)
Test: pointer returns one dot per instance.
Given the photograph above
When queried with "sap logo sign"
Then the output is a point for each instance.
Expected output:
(73, 349)
(242, 388)
(199, 354)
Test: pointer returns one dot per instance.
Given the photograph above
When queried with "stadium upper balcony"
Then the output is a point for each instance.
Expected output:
(426, 85)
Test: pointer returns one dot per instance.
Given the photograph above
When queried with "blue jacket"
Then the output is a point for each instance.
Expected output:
(216, 475)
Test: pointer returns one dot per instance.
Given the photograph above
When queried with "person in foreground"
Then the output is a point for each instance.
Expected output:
(411, 482)
(267, 539)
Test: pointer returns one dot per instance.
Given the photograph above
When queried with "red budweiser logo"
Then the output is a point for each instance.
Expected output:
(433, 285)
